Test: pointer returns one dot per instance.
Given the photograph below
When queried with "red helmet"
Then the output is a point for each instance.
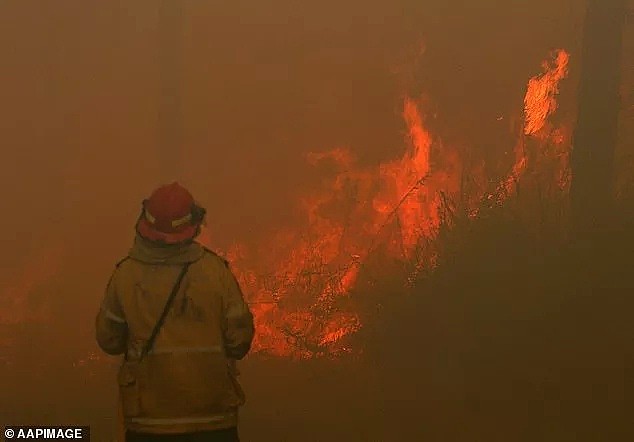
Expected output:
(170, 215)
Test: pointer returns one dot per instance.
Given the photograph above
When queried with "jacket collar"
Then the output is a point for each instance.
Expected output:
(150, 252)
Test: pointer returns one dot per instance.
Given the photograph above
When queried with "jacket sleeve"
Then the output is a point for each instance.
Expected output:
(239, 329)
(111, 326)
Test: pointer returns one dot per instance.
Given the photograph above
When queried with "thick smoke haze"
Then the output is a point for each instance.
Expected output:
(263, 83)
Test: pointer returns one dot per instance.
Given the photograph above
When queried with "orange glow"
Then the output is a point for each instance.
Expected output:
(304, 301)
(540, 101)
(16, 307)
(300, 281)
(16, 301)
(539, 104)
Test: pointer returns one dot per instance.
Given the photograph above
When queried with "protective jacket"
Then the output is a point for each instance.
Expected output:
(188, 382)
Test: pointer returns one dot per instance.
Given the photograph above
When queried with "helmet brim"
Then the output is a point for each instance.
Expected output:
(147, 231)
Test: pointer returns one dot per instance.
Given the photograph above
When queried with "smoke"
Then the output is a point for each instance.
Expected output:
(99, 104)
(170, 114)
(100, 101)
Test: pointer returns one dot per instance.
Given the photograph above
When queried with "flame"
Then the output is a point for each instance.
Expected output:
(301, 282)
(403, 192)
(540, 100)
(303, 302)
(539, 105)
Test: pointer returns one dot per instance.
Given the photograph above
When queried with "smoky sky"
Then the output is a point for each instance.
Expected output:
(261, 84)
(95, 94)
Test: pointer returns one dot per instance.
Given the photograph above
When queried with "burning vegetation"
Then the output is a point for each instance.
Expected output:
(445, 268)
(306, 283)
(306, 294)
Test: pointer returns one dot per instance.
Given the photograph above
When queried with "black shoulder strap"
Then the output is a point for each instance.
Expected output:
(221, 258)
(121, 261)
(161, 320)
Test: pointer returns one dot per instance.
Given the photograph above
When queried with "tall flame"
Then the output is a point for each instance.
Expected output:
(301, 281)
(540, 100)
(303, 303)
(539, 105)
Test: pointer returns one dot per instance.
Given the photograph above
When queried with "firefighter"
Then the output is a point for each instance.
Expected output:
(175, 311)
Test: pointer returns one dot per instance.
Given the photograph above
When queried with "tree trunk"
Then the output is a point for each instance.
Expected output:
(170, 119)
(599, 102)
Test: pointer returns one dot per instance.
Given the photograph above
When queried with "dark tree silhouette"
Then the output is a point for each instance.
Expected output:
(599, 102)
